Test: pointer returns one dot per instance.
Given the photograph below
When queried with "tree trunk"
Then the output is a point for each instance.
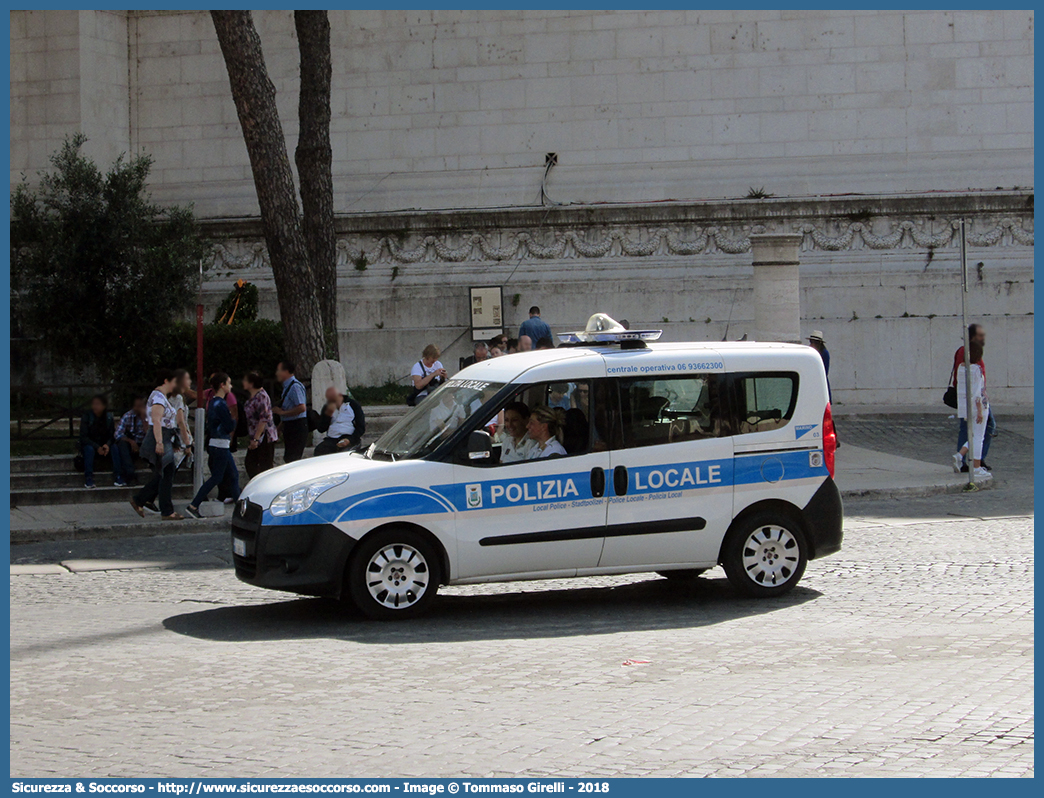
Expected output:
(314, 157)
(254, 96)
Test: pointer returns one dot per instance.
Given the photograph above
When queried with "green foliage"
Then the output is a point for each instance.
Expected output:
(98, 272)
(229, 312)
(232, 348)
(391, 393)
(758, 193)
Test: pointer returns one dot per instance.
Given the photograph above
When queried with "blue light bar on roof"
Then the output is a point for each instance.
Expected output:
(601, 329)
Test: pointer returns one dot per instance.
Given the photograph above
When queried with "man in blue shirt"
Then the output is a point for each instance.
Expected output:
(293, 409)
(535, 327)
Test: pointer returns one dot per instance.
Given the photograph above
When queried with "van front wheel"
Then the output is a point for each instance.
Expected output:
(765, 555)
(393, 574)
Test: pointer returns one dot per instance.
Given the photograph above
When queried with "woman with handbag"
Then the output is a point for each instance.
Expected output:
(976, 416)
(261, 428)
(158, 450)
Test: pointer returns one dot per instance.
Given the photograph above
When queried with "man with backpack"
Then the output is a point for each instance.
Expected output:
(342, 420)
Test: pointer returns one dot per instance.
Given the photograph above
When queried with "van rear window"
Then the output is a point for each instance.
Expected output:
(765, 401)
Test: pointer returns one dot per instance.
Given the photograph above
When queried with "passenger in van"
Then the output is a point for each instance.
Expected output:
(545, 428)
(558, 395)
(515, 442)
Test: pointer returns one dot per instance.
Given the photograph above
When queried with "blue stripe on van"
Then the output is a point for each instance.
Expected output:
(744, 469)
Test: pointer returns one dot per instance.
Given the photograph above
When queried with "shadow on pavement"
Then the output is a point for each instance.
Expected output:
(651, 604)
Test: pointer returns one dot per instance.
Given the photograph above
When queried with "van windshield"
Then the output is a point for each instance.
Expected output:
(435, 419)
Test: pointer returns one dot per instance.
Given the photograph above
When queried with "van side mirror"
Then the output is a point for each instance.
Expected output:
(480, 445)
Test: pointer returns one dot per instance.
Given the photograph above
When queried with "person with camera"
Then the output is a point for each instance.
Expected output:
(427, 373)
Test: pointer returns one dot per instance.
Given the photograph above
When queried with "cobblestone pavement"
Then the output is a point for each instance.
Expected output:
(909, 653)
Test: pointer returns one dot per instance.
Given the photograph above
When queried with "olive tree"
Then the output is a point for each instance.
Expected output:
(98, 271)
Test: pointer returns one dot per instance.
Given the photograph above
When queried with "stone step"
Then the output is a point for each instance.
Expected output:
(102, 494)
(73, 480)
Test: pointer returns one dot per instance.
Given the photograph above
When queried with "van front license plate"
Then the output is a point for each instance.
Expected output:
(239, 547)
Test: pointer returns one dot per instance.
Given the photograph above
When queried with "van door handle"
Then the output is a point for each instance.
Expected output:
(620, 480)
(597, 482)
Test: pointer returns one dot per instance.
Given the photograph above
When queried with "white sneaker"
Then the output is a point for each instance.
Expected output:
(958, 461)
(982, 472)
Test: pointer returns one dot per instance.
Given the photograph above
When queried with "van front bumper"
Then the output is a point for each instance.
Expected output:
(824, 516)
(304, 558)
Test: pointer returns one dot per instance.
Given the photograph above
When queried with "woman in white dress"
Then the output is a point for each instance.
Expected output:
(977, 415)
(515, 441)
(545, 428)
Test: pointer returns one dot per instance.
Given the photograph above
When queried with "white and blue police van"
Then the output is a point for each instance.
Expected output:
(673, 458)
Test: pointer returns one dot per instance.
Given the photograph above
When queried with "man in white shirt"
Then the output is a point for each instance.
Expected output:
(340, 434)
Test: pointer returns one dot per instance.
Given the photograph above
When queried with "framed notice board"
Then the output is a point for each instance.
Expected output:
(487, 312)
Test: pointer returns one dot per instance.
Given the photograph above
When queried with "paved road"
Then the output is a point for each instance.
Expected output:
(909, 653)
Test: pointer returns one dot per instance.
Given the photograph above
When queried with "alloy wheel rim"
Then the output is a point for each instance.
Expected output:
(397, 576)
(771, 555)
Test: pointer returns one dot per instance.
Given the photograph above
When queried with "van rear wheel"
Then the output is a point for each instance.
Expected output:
(765, 555)
(393, 574)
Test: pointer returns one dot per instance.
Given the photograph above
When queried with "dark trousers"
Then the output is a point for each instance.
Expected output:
(90, 454)
(161, 485)
(328, 445)
(260, 459)
(991, 430)
(123, 461)
(295, 438)
(223, 472)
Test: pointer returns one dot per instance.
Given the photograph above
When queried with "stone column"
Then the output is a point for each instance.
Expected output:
(777, 298)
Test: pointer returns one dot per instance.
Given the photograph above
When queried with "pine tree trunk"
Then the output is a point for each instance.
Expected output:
(254, 96)
(314, 157)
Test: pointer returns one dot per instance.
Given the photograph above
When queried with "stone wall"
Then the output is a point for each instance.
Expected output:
(456, 109)
(69, 73)
(891, 124)
(879, 275)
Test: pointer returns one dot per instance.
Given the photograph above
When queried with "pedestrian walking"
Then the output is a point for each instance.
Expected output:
(261, 427)
(976, 415)
(158, 449)
(220, 426)
(127, 440)
(96, 431)
(535, 327)
(976, 334)
(292, 411)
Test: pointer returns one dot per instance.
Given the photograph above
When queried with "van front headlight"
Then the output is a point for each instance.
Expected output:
(300, 497)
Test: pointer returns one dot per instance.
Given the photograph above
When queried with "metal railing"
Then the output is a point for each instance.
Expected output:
(54, 411)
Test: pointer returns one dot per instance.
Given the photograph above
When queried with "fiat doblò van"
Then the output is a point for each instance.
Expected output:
(671, 458)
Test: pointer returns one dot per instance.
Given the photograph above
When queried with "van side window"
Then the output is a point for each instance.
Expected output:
(659, 411)
(572, 405)
(765, 401)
